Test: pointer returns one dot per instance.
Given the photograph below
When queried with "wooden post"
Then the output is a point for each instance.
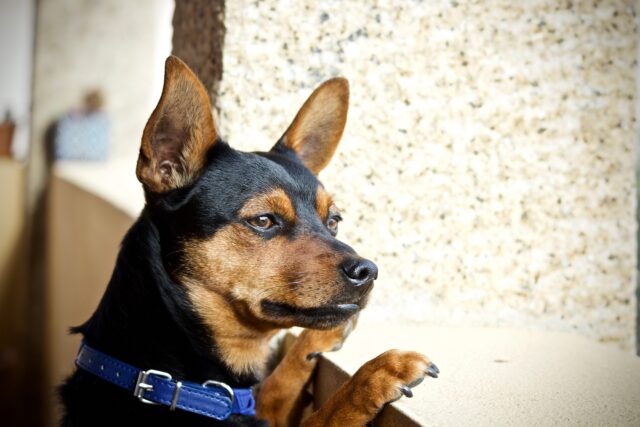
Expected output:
(198, 39)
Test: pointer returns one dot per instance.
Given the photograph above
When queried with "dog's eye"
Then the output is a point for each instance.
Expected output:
(262, 222)
(332, 223)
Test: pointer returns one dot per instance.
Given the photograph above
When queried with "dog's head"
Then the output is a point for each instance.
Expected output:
(257, 230)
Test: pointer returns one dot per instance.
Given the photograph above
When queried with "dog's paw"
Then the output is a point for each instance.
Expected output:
(321, 341)
(392, 375)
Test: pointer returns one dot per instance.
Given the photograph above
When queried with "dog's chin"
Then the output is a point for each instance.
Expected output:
(323, 317)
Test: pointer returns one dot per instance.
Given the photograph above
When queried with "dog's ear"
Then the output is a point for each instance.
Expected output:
(179, 132)
(318, 126)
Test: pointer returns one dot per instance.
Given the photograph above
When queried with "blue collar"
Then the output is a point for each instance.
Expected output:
(212, 399)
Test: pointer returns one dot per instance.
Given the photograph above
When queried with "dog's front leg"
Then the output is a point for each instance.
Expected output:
(279, 394)
(378, 382)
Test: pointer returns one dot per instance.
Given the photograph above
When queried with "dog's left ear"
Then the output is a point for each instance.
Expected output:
(318, 126)
(179, 132)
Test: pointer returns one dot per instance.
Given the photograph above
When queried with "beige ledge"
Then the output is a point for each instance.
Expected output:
(498, 377)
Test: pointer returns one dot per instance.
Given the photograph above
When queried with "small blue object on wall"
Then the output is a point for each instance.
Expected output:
(82, 136)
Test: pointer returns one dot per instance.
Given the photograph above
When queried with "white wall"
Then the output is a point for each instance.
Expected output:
(117, 47)
(16, 57)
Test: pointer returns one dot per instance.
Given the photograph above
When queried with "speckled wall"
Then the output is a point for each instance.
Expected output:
(488, 160)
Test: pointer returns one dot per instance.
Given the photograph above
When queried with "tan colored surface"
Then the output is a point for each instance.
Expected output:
(114, 181)
(501, 377)
(84, 237)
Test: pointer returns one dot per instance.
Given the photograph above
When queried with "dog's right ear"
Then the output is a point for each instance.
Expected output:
(179, 132)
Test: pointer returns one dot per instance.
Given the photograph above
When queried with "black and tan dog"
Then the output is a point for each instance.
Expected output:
(230, 248)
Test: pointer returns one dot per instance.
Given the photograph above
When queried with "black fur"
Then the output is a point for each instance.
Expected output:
(145, 319)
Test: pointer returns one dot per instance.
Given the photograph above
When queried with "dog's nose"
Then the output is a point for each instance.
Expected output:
(359, 271)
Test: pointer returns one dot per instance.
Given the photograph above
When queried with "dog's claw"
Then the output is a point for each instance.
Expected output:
(313, 355)
(433, 371)
(416, 382)
(406, 391)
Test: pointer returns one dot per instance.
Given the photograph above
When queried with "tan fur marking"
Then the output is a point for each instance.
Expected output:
(244, 267)
(229, 275)
(278, 399)
(376, 383)
(243, 348)
(324, 203)
(275, 201)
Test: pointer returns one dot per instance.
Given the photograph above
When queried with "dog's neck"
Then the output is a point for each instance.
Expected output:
(243, 346)
(146, 320)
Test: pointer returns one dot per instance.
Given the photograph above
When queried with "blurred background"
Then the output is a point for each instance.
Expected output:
(488, 165)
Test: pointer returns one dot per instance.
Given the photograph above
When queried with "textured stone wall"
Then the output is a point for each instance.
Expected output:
(488, 160)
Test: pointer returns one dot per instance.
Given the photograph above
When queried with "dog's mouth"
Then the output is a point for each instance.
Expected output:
(323, 317)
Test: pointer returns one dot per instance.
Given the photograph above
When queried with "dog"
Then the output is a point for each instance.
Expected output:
(230, 248)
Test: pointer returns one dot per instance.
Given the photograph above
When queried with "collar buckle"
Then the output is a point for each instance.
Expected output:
(228, 389)
(142, 386)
